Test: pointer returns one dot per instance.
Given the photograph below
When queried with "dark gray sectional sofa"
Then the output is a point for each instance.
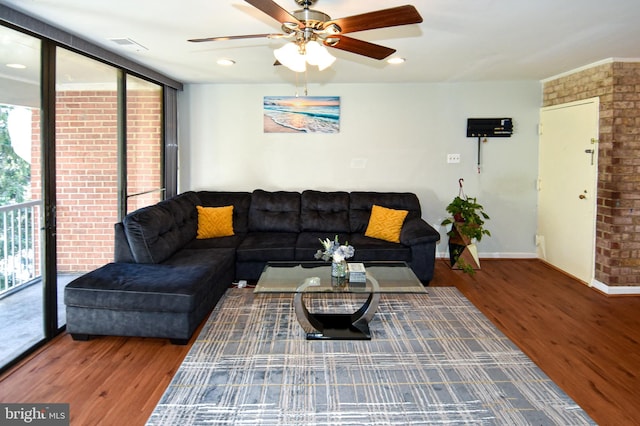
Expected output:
(164, 282)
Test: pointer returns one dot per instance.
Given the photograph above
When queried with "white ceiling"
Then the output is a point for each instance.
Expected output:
(459, 40)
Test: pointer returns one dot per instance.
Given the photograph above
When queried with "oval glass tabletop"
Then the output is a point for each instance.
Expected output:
(315, 277)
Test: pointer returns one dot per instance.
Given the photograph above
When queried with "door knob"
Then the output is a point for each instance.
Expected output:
(582, 196)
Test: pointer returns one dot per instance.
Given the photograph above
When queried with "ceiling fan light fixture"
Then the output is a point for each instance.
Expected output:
(318, 55)
(289, 56)
(292, 56)
(307, 26)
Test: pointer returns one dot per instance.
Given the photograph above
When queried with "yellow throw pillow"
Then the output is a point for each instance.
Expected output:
(214, 222)
(385, 224)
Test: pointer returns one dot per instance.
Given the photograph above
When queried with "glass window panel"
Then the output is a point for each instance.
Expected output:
(21, 313)
(86, 165)
(144, 143)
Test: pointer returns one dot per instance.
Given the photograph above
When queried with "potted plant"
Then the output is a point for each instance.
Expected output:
(467, 227)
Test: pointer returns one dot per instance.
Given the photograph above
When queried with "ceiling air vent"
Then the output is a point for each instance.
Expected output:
(129, 44)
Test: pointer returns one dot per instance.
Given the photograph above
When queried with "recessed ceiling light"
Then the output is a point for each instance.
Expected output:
(396, 61)
(17, 66)
(225, 62)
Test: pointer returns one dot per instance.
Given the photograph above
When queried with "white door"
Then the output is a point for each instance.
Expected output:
(568, 164)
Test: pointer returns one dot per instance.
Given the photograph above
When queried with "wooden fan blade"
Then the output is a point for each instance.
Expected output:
(401, 15)
(359, 47)
(224, 38)
(275, 11)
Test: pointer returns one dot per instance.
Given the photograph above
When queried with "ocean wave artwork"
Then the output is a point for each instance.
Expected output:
(301, 114)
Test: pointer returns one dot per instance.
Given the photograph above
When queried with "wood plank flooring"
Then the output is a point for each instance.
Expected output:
(586, 342)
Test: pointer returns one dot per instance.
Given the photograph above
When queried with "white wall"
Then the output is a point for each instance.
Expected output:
(402, 133)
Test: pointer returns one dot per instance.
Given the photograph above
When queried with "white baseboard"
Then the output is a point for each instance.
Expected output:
(508, 255)
(616, 290)
(494, 255)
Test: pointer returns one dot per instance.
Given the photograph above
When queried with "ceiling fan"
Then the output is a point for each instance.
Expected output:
(307, 28)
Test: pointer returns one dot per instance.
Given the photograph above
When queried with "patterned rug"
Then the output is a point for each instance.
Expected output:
(433, 359)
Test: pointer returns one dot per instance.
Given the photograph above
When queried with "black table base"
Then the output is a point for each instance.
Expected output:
(335, 326)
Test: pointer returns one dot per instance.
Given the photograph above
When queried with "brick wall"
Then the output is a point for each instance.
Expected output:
(86, 170)
(617, 84)
(86, 178)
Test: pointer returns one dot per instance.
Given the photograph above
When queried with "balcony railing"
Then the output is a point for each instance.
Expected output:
(18, 245)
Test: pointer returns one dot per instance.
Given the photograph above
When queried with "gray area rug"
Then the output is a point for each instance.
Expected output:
(433, 359)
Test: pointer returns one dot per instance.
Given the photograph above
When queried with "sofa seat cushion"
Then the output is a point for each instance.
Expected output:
(217, 259)
(309, 243)
(367, 249)
(266, 246)
(140, 287)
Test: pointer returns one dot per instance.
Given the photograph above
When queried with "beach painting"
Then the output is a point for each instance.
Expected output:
(301, 114)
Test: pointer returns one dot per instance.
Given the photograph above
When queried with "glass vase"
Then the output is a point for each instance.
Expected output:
(339, 269)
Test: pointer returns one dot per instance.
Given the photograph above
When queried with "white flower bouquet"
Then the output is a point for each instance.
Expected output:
(334, 251)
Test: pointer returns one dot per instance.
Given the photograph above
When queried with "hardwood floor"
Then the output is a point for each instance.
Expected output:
(589, 344)
(586, 342)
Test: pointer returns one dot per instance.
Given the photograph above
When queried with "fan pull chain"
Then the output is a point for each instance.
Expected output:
(306, 92)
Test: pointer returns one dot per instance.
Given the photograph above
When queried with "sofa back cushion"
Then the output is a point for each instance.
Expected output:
(274, 211)
(185, 215)
(156, 232)
(241, 201)
(362, 202)
(324, 211)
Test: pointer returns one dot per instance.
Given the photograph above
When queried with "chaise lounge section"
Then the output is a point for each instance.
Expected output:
(165, 280)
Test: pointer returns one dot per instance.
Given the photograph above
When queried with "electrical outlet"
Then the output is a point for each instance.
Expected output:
(453, 158)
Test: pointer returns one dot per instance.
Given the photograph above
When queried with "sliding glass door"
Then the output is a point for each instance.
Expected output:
(81, 144)
(86, 166)
(21, 295)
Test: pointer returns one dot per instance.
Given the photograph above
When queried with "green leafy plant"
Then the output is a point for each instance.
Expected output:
(465, 267)
(468, 216)
(15, 172)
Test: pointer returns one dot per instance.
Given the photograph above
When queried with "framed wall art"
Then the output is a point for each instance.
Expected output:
(301, 114)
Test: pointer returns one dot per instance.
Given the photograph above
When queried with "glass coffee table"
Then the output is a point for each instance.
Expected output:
(314, 279)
